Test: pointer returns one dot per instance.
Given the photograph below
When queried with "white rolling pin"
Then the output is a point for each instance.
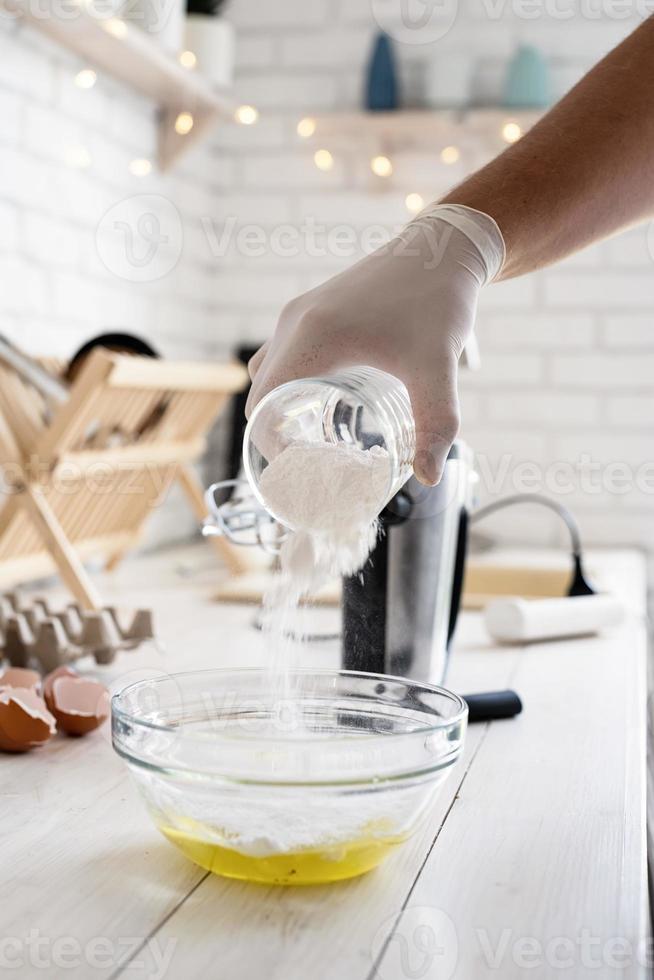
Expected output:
(515, 620)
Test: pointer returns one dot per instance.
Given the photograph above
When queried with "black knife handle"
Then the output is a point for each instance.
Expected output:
(492, 705)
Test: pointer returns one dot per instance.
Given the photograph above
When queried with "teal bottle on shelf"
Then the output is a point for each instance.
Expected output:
(527, 81)
(381, 82)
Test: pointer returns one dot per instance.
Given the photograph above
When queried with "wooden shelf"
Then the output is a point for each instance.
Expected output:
(419, 126)
(128, 54)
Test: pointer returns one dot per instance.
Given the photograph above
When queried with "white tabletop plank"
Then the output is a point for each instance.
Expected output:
(539, 830)
(78, 856)
(545, 843)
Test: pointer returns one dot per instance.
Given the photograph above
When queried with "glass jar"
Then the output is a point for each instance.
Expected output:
(361, 407)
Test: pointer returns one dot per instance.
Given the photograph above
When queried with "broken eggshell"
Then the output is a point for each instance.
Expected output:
(25, 721)
(78, 704)
(49, 680)
(20, 677)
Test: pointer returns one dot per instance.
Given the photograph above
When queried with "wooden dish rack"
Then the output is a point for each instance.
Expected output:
(83, 482)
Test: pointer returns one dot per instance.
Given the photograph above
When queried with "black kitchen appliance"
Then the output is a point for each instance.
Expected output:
(400, 611)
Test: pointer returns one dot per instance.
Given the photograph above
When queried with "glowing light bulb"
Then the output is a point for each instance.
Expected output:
(86, 78)
(77, 156)
(115, 26)
(381, 166)
(414, 203)
(323, 160)
(306, 128)
(140, 167)
(511, 132)
(187, 59)
(184, 123)
(450, 154)
(246, 115)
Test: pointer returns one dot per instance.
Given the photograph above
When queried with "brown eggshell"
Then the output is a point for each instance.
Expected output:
(25, 721)
(20, 677)
(49, 680)
(79, 704)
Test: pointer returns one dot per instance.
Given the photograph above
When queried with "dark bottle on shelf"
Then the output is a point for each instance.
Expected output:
(381, 83)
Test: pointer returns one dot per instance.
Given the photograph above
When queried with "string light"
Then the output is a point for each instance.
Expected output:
(306, 128)
(414, 203)
(381, 166)
(323, 160)
(246, 115)
(77, 156)
(184, 123)
(187, 59)
(86, 78)
(450, 154)
(140, 167)
(115, 26)
(511, 132)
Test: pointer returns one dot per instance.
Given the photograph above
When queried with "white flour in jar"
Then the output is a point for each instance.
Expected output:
(331, 495)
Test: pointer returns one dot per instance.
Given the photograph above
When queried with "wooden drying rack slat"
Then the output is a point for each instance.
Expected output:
(76, 486)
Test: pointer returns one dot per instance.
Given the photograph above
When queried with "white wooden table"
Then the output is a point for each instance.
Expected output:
(533, 863)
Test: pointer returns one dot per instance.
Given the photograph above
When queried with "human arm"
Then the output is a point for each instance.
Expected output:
(585, 169)
(583, 172)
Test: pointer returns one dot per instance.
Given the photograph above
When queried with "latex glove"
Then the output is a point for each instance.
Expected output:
(408, 308)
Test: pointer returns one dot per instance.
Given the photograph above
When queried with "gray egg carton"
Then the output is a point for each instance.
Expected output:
(34, 631)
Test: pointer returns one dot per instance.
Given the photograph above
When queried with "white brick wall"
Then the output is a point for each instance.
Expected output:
(568, 355)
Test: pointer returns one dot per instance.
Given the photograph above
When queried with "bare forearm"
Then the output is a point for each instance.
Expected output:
(583, 172)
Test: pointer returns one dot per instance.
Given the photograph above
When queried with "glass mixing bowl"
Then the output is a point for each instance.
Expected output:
(315, 781)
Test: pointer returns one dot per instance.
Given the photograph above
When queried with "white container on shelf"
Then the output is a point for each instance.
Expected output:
(163, 21)
(448, 81)
(212, 41)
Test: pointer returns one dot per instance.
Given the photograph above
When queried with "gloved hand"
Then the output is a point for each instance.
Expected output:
(408, 308)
